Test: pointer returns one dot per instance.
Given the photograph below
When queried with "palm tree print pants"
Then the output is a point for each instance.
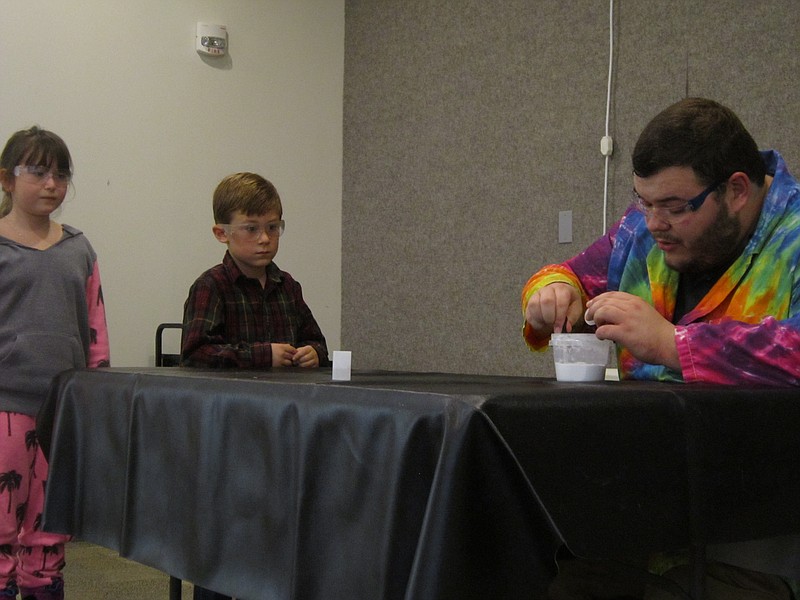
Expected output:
(29, 558)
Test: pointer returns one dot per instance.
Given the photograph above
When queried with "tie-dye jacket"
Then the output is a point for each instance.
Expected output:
(747, 327)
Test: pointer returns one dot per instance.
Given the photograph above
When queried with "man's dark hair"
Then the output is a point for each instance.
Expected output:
(701, 134)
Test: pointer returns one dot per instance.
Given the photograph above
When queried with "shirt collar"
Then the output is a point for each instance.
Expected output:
(274, 274)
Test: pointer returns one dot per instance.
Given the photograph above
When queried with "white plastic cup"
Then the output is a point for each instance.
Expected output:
(580, 356)
(341, 365)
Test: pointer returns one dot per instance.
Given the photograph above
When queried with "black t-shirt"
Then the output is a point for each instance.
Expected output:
(692, 288)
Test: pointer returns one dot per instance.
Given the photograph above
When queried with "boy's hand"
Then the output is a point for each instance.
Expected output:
(306, 357)
(283, 355)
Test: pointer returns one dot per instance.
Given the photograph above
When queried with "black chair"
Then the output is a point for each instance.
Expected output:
(168, 360)
(164, 359)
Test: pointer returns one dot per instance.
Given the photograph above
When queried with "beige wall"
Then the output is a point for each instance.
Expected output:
(153, 127)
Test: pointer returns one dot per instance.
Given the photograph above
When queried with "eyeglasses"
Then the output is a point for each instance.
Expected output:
(673, 212)
(40, 174)
(250, 232)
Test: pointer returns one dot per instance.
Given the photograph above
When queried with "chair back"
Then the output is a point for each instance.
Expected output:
(164, 359)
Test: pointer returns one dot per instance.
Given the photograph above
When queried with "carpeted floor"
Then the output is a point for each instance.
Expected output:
(95, 573)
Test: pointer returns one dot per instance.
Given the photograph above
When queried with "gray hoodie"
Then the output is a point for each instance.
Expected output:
(44, 323)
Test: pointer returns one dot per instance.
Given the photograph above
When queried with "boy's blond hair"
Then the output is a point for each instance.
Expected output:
(249, 193)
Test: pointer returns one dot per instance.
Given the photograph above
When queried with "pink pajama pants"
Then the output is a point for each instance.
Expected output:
(29, 557)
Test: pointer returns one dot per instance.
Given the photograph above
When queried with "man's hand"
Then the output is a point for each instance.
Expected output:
(631, 322)
(554, 308)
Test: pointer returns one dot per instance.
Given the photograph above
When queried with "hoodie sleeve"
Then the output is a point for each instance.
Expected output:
(99, 351)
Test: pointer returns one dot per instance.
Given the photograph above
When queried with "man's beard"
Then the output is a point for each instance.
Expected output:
(719, 246)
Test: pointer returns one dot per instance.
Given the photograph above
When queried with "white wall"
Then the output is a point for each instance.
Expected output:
(153, 127)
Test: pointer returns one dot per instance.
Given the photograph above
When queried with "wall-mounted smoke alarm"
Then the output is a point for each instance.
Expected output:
(211, 40)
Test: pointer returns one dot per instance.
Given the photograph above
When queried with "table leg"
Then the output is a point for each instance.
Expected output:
(174, 588)
(697, 557)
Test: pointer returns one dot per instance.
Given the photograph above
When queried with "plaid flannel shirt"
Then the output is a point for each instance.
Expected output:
(229, 320)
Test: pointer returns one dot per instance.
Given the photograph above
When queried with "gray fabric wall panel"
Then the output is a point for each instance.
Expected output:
(469, 125)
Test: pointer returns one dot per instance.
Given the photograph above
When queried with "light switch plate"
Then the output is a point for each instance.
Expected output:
(564, 226)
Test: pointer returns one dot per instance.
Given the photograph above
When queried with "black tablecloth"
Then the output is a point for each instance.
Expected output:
(285, 484)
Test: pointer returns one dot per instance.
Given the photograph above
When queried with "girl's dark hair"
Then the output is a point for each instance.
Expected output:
(701, 134)
(32, 146)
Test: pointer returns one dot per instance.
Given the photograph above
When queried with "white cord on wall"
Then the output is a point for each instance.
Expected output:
(607, 143)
